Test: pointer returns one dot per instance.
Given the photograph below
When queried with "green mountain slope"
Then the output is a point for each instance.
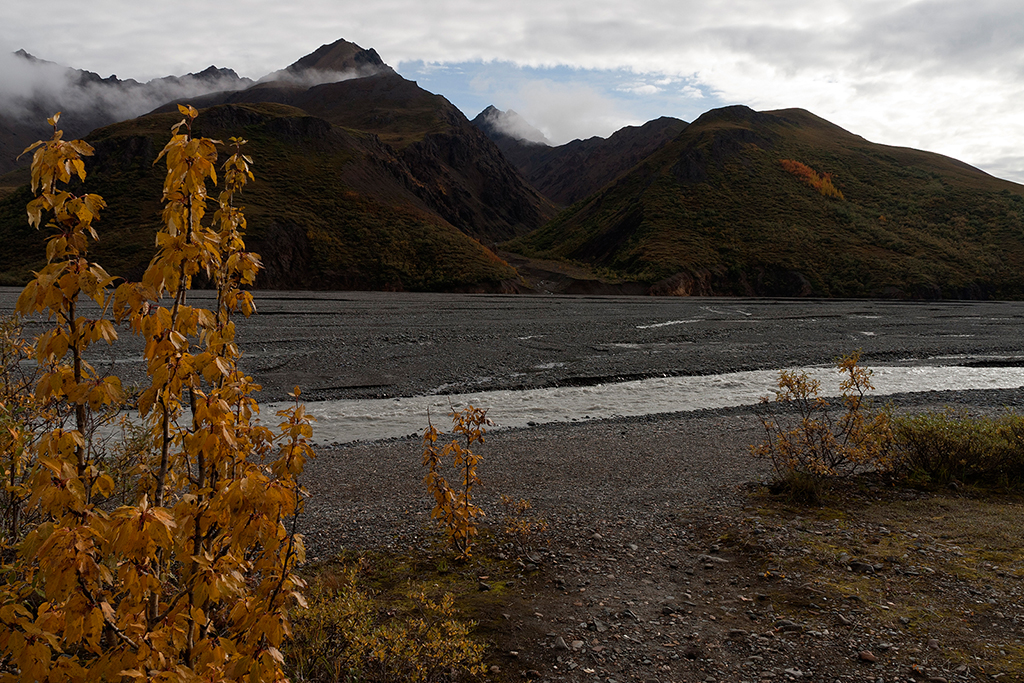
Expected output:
(330, 208)
(717, 212)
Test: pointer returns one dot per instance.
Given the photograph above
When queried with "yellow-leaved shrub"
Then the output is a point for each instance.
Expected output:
(191, 577)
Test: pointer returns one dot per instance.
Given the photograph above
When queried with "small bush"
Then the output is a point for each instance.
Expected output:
(453, 505)
(519, 524)
(807, 442)
(943, 447)
(347, 634)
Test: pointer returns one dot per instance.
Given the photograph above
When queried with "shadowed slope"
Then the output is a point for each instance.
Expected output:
(568, 173)
(330, 208)
(715, 212)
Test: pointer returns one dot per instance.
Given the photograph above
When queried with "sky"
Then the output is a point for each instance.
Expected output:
(941, 75)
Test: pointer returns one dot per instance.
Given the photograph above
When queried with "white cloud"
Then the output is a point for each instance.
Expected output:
(641, 88)
(564, 112)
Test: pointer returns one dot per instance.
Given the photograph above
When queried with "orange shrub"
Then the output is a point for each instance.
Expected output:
(822, 183)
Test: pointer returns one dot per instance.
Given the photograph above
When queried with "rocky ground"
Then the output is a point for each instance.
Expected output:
(665, 561)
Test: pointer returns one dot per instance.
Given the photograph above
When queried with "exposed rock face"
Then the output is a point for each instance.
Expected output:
(455, 169)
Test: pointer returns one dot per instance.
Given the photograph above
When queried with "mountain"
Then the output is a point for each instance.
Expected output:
(786, 203)
(508, 129)
(567, 173)
(458, 171)
(365, 181)
(330, 208)
(36, 89)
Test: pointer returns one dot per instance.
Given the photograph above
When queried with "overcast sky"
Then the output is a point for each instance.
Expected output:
(940, 75)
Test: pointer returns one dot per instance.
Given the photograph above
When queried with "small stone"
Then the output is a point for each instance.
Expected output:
(495, 669)
(711, 559)
(531, 674)
(597, 537)
(577, 644)
(560, 643)
(736, 634)
(599, 626)
(933, 643)
(867, 656)
(795, 673)
(484, 586)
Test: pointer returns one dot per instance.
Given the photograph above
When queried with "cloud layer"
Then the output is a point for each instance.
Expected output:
(943, 75)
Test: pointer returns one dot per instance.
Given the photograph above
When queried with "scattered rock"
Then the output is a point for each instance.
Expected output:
(867, 656)
(560, 643)
(712, 559)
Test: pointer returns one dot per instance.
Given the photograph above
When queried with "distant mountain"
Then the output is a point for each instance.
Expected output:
(567, 173)
(364, 180)
(36, 89)
(786, 203)
(509, 129)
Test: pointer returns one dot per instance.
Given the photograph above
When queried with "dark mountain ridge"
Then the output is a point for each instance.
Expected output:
(730, 207)
(458, 171)
(567, 173)
(366, 180)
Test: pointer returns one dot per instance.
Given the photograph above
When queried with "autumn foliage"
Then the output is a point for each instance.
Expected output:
(191, 579)
(820, 437)
(454, 508)
(822, 183)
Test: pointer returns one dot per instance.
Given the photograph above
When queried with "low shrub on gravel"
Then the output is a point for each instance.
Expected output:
(347, 633)
(946, 447)
(812, 438)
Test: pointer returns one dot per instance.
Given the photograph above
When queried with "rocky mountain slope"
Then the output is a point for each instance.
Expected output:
(365, 181)
(459, 172)
(786, 203)
(330, 208)
(567, 173)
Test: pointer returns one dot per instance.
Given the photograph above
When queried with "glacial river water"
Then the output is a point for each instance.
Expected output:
(341, 421)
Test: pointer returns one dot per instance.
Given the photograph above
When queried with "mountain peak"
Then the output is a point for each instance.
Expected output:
(496, 123)
(340, 56)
